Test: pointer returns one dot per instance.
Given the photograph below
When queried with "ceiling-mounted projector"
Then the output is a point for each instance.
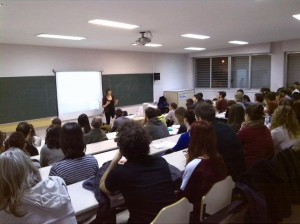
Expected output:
(145, 38)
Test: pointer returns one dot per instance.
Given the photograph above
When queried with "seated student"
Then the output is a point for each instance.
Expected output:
(228, 145)
(56, 121)
(24, 128)
(154, 127)
(161, 117)
(198, 98)
(96, 134)
(84, 123)
(163, 104)
(76, 166)
(179, 113)
(236, 116)
(144, 181)
(238, 97)
(170, 117)
(258, 98)
(221, 104)
(204, 166)
(190, 104)
(271, 103)
(2, 139)
(51, 151)
(255, 136)
(17, 140)
(34, 139)
(26, 198)
(184, 139)
(285, 129)
(119, 121)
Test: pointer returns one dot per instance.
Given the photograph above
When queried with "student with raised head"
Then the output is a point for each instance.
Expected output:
(205, 166)
(26, 198)
(24, 128)
(228, 145)
(108, 103)
(179, 114)
(154, 127)
(184, 139)
(51, 151)
(76, 166)
(255, 136)
(84, 123)
(221, 104)
(236, 116)
(170, 116)
(285, 128)
(96, 134)
(144, 181)
(120, 120)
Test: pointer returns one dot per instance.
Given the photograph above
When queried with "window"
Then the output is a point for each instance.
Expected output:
(220, 72)
(202, 71)
(240, 72)
(260, 71)
(293, 68)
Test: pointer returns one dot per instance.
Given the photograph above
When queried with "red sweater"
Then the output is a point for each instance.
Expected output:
(257, 144)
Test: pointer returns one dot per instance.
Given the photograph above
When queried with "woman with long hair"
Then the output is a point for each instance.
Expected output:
(26, 198)
(285, 128)
(84, 123)
(108, 103)
(236, 114)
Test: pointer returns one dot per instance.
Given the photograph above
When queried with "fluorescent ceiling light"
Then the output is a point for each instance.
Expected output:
(60, 37)
(153, 45)
(297, 16)
(195, 36)
(113, 24)
(238, 42)
(195, 48)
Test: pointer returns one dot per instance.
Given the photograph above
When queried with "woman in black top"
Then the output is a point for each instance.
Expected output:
(108, 103)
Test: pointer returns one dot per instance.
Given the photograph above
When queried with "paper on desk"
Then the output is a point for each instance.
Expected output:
(164, 144)
(111, 135)
(176, 126)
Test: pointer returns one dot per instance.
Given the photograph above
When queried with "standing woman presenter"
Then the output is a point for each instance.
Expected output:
(108, 103)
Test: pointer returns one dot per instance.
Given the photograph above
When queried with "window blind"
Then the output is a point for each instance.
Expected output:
(260, 71)
(220, 72)
(293, 68)
(240, 72)
(202, 72)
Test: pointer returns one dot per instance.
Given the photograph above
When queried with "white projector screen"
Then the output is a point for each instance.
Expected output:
(77, 93)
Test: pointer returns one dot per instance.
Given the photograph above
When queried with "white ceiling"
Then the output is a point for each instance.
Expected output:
(255, 21)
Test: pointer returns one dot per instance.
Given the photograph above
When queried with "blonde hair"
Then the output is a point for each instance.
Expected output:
(286, 117)
(17, 175)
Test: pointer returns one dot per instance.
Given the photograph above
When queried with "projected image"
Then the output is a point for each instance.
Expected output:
(78, 92)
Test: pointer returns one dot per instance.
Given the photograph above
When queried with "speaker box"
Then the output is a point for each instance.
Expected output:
(156, 76)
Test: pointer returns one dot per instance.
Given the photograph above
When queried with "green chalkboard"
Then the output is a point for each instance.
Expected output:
(24, 98)
(130, 89)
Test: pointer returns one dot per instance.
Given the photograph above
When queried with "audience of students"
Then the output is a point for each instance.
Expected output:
(236, 116)
(228, 145)
(76, 166)
(144, 181)
(170, 116)
(221, 104)
(96, 134)
(84, 123)
(285, 128)
(154, 127)
(51, 151)
(56, 121)
(204, 166)
(255, 136)
(179, 114)
(24, 128)
(26, 198)
(119, 121)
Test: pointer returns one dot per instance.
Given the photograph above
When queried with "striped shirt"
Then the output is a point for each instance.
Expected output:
(75, 170)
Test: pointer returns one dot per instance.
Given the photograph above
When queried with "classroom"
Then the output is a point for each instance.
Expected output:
(150, 111)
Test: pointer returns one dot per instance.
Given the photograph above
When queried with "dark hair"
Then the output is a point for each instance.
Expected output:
(285, 102)
(296, 108)
(173, 105)
(209, 102)
(52, 136)
(246, 98)
(203, 141)
(282, 90)
(236, 116)
(24, 128)
(71, 140)
(119, 113)
(271, 96)
(265, 90)
(231, 102)
(133, 141)
(97, 122)
(190, 116)
(107, 90)
(16, 140)
(259, 97)
(199, 96)
(241, 91)
(150, 112)
(84, 123)
(179, 114)
(189, 103)
(32, 134)
(206, 112)
(295, 96)
(56, 121)
(223, 94)
(158, 112)
(255, 111)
